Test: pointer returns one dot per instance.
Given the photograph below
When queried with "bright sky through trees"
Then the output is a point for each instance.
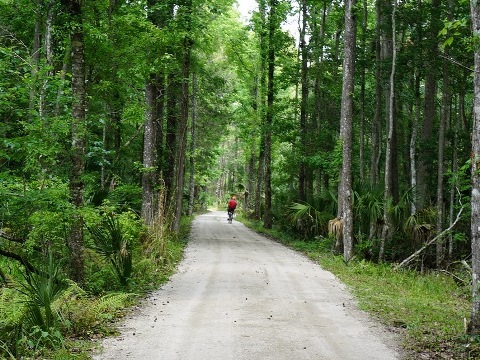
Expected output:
(246, 7)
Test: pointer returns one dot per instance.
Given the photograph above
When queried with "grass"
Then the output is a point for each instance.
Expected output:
(427, 310)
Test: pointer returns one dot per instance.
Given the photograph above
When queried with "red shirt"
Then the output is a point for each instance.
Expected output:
(232, 204)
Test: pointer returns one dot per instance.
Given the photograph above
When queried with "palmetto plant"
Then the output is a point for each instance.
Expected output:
(111, 243)
(308, 219)
(41, 290)
(420, 226)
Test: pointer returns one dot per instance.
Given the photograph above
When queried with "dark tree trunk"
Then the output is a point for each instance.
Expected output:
(183, 124)
(149, 177)
(444, 120)
(191, 186)
(425, 167)
(168, 163)
(376, 130)
(261, 110)
(268, 217)
(363, 47)
(75, 241)
(302, 176)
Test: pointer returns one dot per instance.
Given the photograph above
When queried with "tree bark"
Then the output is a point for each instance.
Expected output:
(376, 130)
(413, 145)
(424, 159)
(388, 198)
(346, 121)
(474, 325)
(149, 178)
(302, 176)
(446, 98)
(363, 47)
(168, 163)
(268, 217)
(191, 186)
(183, 125)
(261, 109)
(78, 128)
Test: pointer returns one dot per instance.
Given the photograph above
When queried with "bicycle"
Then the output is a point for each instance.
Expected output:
(230, 216)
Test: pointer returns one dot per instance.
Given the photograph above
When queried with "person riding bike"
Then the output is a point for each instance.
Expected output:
(232, 204)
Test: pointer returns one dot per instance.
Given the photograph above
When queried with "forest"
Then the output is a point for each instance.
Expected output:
(120, 120)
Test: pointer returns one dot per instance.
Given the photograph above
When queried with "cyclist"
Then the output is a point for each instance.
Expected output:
(232, 204)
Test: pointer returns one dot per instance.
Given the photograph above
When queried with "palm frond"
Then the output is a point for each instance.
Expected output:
(110, 242)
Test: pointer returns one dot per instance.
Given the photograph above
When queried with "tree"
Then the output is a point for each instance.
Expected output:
(474, 325)
(302, 177)
(272, 27)
(346, 133)
(184, 111)
(431, 85)
(153, 129)
(388, 194)
(75, 242)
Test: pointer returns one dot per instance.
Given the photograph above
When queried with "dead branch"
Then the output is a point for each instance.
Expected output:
(8, 237)
(409, 259)
(20, 259)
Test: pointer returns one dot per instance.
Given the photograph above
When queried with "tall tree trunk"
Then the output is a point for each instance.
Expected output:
(453, 188)
(474, 325)
(425, 155)
(261, 108)
(413, 144)
(182, 129)
(346, 133)
(75, 241)
(317, 41)
(416, 121)
(272, 21)
(388, 198)
(375, 149)
(440, 246)
(149, 178)
(363, 47)
(168, 163)
(444, 120)
(302, 177)
(152, 134)
(191, 186)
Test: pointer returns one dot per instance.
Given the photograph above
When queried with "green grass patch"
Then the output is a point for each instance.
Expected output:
(428, 310)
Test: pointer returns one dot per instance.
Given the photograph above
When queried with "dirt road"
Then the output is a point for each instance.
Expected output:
(238, 295)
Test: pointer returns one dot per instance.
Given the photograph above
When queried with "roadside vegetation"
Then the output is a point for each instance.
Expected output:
(43, 315)
(427, 309)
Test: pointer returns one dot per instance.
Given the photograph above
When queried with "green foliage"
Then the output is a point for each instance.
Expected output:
(29, 318)
(368, 207)
(420, 226)
(84, 315)
(41, 290)
(114, 244)
(308, 220)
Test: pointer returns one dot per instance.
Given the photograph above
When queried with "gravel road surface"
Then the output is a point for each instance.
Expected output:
(238, 295)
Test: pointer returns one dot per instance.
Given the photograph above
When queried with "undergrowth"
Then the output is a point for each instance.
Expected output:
(76, 315)
(427, 310)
